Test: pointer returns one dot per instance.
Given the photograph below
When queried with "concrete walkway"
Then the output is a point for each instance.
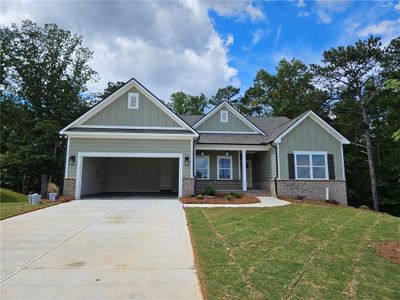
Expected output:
(265, 202)
(99, 249)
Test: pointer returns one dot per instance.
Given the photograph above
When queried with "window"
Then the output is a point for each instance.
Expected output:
(133, 100)
(202, 167)
(311, 165)
(223, 116)
(224, 167)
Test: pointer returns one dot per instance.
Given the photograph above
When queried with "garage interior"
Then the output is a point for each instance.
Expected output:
(115, 176)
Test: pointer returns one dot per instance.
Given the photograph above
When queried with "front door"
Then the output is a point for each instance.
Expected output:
(249, 173)
(165, 174)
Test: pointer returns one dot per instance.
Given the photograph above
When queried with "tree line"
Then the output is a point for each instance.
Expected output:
(355, 88)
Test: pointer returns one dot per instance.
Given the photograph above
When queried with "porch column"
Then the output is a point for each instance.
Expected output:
(244, 173)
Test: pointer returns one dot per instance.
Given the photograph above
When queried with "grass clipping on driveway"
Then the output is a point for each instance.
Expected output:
(220, 199)
(296, 251)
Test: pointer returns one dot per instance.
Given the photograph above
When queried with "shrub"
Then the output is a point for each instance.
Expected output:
(299, 197)
(200, 196)
(210, 191)
(237, 195)
(65, 198)
(364, 207)
(229, 197)
(52, 188)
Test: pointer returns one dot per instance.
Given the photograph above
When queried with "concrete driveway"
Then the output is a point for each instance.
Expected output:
(99, 249)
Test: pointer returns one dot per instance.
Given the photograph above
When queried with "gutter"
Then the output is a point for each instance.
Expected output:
(276, 167)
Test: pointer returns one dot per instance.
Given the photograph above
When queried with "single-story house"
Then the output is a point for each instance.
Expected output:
(132, 142)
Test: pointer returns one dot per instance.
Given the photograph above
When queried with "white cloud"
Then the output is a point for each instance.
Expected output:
(327, 8)
(397, 7)
(257, 36)
(387, 29)
(278, 35)
(229, 40)
(301, 3)
(303, 14)
(255, 13)
(167, 46)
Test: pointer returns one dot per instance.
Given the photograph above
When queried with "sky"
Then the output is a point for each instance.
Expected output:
(200, 46)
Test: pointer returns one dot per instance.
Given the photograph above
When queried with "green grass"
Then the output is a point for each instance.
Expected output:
(294, 252)
(12, 204)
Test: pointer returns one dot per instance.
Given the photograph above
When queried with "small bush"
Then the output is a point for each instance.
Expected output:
(236, 195)
(299, 197)
(200, 196)
(65, 198)
(364, 207)
(210, 191)
(52, 188)
(229, 197)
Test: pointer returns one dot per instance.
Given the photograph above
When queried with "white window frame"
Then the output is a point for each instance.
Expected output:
(223, 116)
(230, 159)
(130, 95)
(310, 154)
(208, 167)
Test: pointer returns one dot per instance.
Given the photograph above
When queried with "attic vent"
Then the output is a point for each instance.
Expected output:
(223, 116)
(133, 100)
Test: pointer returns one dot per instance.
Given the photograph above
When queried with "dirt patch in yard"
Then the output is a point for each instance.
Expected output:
(389, 250)
(220, 199)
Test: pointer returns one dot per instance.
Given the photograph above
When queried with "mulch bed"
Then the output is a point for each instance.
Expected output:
(219, 199)
(389, 250)
(307, 201)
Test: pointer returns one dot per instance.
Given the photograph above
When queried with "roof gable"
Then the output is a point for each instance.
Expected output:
(290, 126)
(113, 112)
(236, 123)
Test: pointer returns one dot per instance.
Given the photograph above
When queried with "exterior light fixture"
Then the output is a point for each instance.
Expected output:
(186, 160)
(226, 153)
(71, 160)
(202, 153)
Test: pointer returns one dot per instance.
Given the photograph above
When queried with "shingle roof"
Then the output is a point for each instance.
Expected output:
(271, 126)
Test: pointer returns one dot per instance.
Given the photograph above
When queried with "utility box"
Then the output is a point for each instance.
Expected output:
(34, 199)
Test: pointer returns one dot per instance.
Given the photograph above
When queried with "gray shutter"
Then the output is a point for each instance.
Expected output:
(291, 165)
(331, 167)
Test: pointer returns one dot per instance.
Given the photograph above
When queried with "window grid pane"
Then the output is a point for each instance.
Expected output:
(311, 166)
(224, 168)
(202, 167)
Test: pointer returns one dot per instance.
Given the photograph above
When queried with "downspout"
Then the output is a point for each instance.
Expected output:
(276, 167)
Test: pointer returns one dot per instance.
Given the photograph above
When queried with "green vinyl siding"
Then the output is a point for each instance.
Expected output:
(233, 124)
(264, 165)
(309, 136)
(118, 114)
(128, 146)
(213, 163)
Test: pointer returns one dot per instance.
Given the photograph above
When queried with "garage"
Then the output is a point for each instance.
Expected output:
(129, 174)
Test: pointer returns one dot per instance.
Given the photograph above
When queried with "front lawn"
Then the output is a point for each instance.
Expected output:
(12, 204)
(296, 251)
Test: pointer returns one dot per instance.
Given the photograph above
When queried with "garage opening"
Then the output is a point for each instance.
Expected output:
(127, 177)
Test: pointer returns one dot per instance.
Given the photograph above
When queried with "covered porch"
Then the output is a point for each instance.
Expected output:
(235, 168)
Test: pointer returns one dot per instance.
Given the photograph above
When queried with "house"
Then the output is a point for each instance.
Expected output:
(132, 142)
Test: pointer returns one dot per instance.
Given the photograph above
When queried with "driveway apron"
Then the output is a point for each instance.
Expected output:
(99, 249)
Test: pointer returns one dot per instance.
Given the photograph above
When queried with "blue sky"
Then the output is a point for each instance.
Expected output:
(199, 46)
(296, 29)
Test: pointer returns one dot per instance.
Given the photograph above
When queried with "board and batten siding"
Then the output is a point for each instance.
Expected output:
(118, 114)
(128, 146)
(213, 163)
(233, 124)
(309, 136)
(264, 165)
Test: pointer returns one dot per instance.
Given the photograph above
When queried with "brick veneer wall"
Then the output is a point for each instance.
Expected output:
(69, 186)
(219, 185)
(313, 189)
(188, 186)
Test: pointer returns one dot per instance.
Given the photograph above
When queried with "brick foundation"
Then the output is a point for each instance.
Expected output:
(313, 189)
(268, 186)
(69, 186)
(219, 185)
(188, 186)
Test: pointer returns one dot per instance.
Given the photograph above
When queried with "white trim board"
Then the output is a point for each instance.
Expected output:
(228, 132)
(119, 135)
(124, 89)
(233, 111)
(218, 147)
(130, 127)
(320, 122)
(81, 155)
